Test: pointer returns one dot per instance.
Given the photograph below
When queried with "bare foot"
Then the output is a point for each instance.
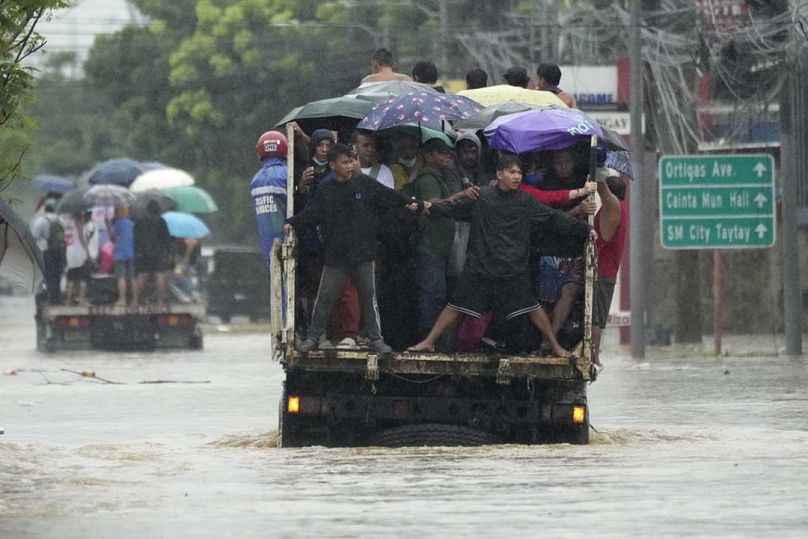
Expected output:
(422, 346)
(561, 352)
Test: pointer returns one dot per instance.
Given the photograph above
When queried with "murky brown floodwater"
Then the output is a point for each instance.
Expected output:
(682, 449)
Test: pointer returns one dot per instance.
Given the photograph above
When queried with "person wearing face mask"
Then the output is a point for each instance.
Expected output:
(405, 158)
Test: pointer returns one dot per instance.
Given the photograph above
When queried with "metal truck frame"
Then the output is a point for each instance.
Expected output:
(112, 327)
(359, 398)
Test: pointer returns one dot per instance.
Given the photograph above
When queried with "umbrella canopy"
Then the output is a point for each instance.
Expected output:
(115, 171)
(192, 199)
(48, 183)
(142, 199)
(331, 113)
(20, 259)
(493, 95)
(540, 129)
(390, 88)
(487, 115)
(620, 161)
(427, 109)
(73, 201)
(108, 195)
(160, 178)
(185, 225)
(152, 165)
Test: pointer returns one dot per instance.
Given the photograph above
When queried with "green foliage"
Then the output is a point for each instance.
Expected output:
(18, 40)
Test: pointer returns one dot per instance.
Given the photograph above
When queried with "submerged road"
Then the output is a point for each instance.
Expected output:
(683, 447)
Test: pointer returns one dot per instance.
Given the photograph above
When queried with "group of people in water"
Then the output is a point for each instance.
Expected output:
(410, 238)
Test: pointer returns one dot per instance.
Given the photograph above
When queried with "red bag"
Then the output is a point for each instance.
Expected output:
(470, 331)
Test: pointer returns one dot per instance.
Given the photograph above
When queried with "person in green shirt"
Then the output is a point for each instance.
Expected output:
(435, 242)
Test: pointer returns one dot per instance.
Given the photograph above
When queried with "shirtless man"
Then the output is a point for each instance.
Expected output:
(548, 77)
(382, 65)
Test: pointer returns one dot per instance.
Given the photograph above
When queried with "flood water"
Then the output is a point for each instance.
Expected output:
(683, 447)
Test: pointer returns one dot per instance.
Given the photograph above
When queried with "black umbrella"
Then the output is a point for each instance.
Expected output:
(20, 258)
(73, 201)
(333, 113)
(142, 199)
(481, 119)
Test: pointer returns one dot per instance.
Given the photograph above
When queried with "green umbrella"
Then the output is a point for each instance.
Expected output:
(192, 199)
(330, 113)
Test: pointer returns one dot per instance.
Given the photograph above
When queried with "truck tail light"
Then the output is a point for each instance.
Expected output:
(311, 405)
(173, 321)
(73, 322)
(401, 408)
(304, 405)
(578, 414)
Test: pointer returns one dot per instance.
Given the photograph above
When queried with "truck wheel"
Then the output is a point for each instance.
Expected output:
(432, 434)
(195, 342)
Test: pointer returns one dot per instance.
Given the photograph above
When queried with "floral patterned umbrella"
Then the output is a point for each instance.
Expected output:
(427, 109)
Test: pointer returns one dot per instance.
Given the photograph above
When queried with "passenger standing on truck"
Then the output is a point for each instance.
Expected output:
(347, 207)
(405, 158)
(49, 233)
(611, 224)
(437, 235)
(81, 251)
(344, 325)
(368, 155)
(548, 77)
(563, 175)
(123, 235)
(382, 67)
(154, 255)
(497, 267)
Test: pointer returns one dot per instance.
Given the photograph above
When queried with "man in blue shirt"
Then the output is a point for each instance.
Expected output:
(123, 234)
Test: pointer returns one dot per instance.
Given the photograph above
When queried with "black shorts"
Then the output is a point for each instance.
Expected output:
(151, 264)
(81, 273)
(508, 298)
(602, 300)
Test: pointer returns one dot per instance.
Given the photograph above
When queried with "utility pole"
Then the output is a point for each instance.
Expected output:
(794, 172)
(637, 226)
(444, 37)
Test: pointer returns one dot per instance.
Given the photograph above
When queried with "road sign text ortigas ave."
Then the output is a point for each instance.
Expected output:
(716, 201)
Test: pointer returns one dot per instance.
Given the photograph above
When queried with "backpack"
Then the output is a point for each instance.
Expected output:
(56, 237)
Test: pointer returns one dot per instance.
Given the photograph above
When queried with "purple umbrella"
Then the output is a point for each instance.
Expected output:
(540, 129)
(427, 109)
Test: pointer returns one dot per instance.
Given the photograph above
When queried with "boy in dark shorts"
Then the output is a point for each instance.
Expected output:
(497, 272)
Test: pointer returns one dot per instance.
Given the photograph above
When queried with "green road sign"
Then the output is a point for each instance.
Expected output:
(716, 201)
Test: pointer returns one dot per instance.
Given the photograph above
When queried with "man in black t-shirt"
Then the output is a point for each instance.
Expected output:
(153, 250)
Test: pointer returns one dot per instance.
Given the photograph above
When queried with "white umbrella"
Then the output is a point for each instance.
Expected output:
(109, 195)
(20, 258)
(161, 178)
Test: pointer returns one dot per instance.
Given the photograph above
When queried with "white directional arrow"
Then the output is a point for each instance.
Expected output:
(760, 168)
(760, 200)
(761, 230)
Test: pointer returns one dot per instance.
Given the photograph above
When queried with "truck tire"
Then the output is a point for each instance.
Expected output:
(432, 434)
(580, 436)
